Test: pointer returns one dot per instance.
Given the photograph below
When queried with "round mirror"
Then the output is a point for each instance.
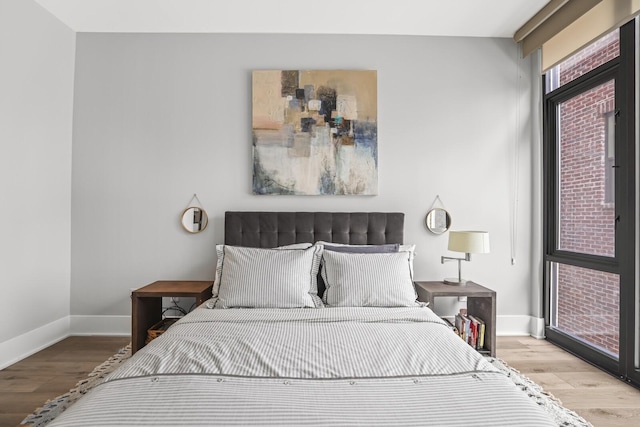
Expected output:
(194, 219)
(438, 220)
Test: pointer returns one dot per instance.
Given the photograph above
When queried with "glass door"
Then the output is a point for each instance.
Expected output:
(583, 274)
(590, 204)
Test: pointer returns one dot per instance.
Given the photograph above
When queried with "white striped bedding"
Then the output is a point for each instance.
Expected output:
(328, 366)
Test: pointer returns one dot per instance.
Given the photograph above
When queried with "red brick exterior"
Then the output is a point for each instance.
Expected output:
(589, 58)
(586, 220)
(588, 305)
(587, 300)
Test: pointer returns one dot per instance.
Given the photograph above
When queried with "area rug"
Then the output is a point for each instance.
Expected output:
(52, 408)
(563, 416)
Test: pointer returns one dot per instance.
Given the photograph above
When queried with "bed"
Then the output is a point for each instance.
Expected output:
(313, 322)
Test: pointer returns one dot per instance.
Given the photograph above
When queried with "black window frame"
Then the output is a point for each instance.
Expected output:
(623, 263)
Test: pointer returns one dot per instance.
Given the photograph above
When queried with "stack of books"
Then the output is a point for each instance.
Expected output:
(470, 328)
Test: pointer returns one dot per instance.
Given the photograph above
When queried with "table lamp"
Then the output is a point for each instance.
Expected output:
(469, 242)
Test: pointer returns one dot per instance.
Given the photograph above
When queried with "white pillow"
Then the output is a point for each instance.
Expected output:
(411, 249)
(220, 255)
(369, 279)
(269, 278)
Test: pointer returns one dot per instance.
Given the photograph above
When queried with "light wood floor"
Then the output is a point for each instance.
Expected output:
(595, 395)
(598, 397)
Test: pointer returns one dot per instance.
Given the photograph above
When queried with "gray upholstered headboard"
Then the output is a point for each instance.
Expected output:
(271, 229)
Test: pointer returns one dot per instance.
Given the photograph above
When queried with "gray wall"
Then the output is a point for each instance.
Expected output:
(158, 118)
(36, 83)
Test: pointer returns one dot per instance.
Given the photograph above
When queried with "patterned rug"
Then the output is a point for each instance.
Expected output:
(52, 408)
(563, 416)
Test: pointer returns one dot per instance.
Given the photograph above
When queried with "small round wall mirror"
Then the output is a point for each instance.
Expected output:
(194, 219)
(437, 220)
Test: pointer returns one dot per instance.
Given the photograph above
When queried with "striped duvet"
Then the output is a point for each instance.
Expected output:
(330, 366)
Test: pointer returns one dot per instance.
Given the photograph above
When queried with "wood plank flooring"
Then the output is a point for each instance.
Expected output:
(598, 397)
(26, 385)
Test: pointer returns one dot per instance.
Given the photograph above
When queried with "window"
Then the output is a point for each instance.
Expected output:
(589, 199)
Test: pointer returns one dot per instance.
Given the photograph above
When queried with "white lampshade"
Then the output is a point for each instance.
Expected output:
(472, 242)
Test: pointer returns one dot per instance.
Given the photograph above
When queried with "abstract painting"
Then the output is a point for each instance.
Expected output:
(315, 132)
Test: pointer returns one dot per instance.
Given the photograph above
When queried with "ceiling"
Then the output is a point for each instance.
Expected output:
(473, 18)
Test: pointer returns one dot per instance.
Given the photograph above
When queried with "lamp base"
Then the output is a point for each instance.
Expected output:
(454, 281)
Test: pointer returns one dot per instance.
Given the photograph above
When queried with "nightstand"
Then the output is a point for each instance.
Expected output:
(481, 302)
(146, 304)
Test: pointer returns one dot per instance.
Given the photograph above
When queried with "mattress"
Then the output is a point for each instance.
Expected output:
(368, 366)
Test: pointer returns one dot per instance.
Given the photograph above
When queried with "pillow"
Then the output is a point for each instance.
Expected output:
(220, 255)
(369, 279)
(401, 248)
(362, 249)
(269, 278)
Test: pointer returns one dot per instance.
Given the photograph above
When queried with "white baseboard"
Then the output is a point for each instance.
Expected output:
(517, 326)
(22, 346)
(537, 327)
(100, 325)
(121, 325)
(25, 345)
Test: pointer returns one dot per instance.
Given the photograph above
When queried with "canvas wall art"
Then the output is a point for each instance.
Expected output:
(315, 132)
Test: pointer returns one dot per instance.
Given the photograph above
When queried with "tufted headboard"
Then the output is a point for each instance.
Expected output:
(271, 229)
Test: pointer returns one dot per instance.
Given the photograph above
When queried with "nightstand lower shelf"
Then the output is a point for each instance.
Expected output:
(481, 302)
(146, 304)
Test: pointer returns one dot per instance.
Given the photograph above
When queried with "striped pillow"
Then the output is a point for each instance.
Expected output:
(369, 279)
(372, 248)
(363, 249)
(269, 278)
(220, 256)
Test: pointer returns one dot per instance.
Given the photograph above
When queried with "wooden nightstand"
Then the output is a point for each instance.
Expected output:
(481, 302)
(146, 304)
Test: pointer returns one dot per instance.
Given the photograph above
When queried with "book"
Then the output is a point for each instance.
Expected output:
(463, 323)
(473, 332)
(460, 324)
(480, 326)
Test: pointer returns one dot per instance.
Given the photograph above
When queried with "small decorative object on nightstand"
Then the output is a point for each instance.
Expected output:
(159, 328)
(481, 302)
(470, 242)
(146, 304)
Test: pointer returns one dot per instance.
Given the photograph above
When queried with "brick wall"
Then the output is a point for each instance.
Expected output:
(587, 299)
(589, 58)
(588, 305)
(586, 220)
